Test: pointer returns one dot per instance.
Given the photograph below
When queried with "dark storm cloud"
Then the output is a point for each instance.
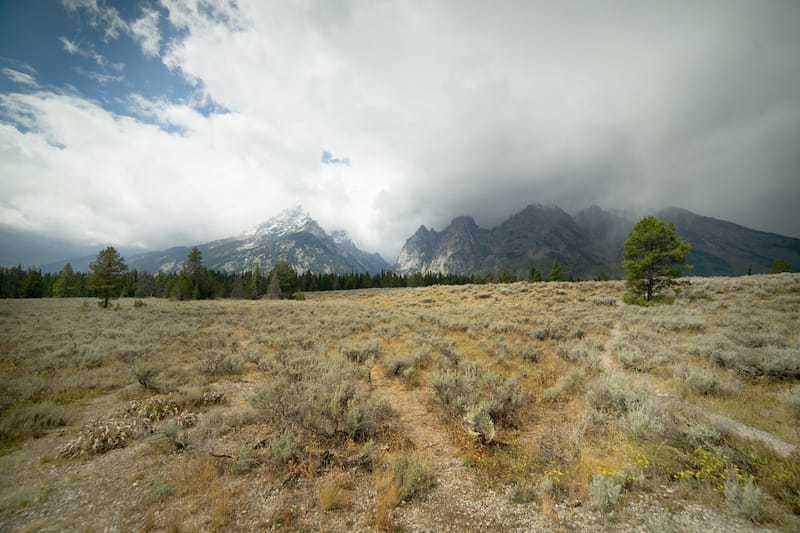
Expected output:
(664, 104)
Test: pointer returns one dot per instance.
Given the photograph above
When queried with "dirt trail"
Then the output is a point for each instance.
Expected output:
(719, 422)
(456, 503)
(606, 361)
(421, 426)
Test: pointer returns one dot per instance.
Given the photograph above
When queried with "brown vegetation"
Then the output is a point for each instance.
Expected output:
(520, 406)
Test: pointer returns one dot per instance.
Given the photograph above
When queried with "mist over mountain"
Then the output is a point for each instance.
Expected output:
(586, 245)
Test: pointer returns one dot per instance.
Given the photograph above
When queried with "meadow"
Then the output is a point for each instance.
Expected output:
(509, 407)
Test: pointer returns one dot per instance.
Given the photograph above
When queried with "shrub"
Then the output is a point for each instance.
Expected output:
(245, 460)
(410, 473)
(32, 420)
(643, 419)
(530, 354)
(604, 491)
(781, 363)
(282, 447)
(705, 382)
(792, 400)
(145, 373)
(360, 352)
(746, 498)
(319, 394)
(579, 353)
(634, 358)
(478, 422)
(700, 435)
(550, 330)
(218, 363)
(567, 384)
(161, 491)
(470, 393)
(523, 492)
(331, 495)
(614, 393)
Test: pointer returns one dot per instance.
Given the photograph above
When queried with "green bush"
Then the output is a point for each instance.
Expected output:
(218, 363)
(566, 385)
(604, 491)
(320, 395)
(523, 492)
(282, 447)
(705, 382)
(411, 475)
(360, 352)
(245, 461)
(746, 498)
(791, 399)
(614, 393)
(33, 420)
(145, 373)
(477, 397)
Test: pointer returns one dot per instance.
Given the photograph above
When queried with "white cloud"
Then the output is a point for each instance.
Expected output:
(145, 31)
(73, 48)
(99, 15)
(99, 77)
(19, 77)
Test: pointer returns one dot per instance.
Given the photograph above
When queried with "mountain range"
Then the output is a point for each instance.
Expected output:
(586, 244)
(291, 236)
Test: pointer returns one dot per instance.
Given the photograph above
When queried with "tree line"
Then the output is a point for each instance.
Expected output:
(110, 277)
(196, 282)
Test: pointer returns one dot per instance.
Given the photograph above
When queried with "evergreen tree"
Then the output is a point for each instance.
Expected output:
(107, 274)
(66, 283)
(258, 283)
(556, 274)
(287, 279)
(536, 276)
(274, 286)
(651, 254)
(780, 265)
(145, 285)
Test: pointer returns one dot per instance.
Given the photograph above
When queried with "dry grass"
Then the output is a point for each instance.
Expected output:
(524, 380)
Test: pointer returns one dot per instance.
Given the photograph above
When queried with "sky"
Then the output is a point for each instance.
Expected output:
(175, 122)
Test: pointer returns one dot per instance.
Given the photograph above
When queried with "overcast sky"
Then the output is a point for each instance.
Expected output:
(176, 122)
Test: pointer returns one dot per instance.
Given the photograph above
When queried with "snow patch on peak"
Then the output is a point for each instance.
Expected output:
(284, 223)
(341, 236)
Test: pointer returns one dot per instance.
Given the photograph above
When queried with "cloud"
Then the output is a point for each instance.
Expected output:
(19, 77)
(328, 159)
(145, 31)
(98, 76)
(73, 48)
(474, 110)
(99, 15)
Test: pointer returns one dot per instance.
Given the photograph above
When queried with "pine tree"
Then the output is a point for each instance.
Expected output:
(66, 283)
(536, 276)
(274, 286)
(651, 254)
(780, 265)
(556, 274)
(107, 274)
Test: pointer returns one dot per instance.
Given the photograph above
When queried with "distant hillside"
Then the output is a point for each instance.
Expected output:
(587, 244)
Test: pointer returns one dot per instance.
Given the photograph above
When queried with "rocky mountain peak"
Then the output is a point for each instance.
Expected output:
(286, 222)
